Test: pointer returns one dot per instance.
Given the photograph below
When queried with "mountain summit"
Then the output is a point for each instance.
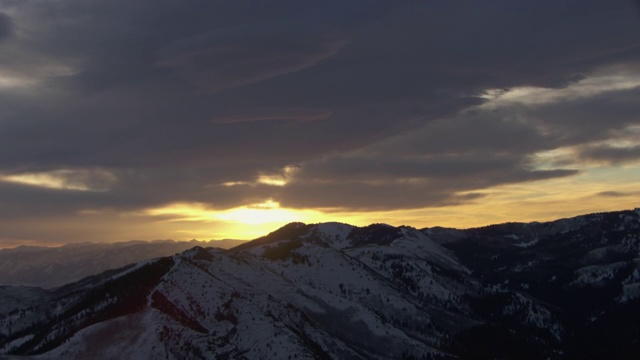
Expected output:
(567, 289)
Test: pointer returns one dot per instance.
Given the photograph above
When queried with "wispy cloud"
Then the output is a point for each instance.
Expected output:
(64, 179)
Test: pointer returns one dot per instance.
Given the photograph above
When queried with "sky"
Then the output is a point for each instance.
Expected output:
(163, 119)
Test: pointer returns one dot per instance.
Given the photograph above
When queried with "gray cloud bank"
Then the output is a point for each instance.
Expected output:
(376, 104)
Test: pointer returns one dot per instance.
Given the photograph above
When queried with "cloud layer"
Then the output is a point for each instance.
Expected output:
(371, 106)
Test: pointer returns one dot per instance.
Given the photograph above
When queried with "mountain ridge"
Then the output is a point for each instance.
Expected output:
(566, 289)
(50, 267)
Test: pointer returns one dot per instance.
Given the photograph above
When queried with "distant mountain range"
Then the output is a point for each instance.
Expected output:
(567, 289)
(49, 267)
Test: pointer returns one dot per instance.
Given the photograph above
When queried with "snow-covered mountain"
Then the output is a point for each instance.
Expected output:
(561, 290)
(49, 267)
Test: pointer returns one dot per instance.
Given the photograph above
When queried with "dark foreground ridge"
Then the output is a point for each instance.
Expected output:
(567, 289)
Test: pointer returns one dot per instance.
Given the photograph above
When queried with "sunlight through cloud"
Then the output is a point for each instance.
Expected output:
(77, 180)
(267, 212)
(598, 83)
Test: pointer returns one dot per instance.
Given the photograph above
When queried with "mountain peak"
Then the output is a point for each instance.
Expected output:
(290, 231)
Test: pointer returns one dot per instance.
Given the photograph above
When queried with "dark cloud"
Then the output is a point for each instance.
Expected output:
(403, 194)
(212, 66)
(611, 194)
(463, 165)
(6, 26)
(370, 197)
(375, 103)
(462, 48)
(573, 122)
(134, 190)
(612, 155)
(264, 114)
(495, 132)
(385, 181)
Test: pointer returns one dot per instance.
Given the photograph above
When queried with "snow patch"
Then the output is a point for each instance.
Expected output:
(526, 244)
(597, 274)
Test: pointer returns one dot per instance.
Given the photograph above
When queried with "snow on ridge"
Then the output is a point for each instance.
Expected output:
(335, 229)
(416, 242)
(629, 292)
(254, 292)
(526, 244)
(533, 314)
(334, 233)
(597, 274)
(631, 285)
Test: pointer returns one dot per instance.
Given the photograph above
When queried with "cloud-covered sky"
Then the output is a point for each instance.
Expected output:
(208, 119)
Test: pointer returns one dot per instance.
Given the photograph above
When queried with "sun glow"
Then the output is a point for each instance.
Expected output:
(281, 178)
(596, 188)
(273, 180)
(264, 213)
(245, 222)
(254, 214)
